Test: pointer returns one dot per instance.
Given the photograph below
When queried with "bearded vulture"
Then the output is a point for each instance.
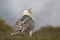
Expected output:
(25, 24)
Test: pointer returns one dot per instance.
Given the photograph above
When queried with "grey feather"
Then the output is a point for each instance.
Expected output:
(25, 24)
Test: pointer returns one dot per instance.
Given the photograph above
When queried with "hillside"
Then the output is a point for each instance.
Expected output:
(45, 33)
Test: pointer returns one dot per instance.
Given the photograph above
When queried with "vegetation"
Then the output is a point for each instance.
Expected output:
(45, 33)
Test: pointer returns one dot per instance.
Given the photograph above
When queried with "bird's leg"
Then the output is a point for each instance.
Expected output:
(30, 33)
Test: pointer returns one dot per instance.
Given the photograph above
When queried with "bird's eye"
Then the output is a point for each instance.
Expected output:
(28, 10)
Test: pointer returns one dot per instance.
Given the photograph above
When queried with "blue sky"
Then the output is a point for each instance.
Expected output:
(43, 11)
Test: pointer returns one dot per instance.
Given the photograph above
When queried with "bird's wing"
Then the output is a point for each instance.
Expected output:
(20, 24)
(25, 26)
(29, 24)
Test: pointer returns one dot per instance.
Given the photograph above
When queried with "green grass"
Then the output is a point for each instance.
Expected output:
(45, 33)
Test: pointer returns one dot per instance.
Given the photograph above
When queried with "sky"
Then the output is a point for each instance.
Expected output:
(43, 11)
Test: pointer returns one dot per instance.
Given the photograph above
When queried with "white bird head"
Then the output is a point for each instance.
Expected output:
(27, 12)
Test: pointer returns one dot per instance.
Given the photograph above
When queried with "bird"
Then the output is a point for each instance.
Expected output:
(25, 24)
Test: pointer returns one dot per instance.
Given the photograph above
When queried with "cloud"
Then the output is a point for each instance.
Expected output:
(43, 11)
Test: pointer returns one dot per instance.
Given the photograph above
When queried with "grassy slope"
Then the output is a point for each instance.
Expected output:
(42, 34)
(45, 33)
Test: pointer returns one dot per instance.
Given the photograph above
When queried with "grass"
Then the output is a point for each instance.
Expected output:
(45, 33)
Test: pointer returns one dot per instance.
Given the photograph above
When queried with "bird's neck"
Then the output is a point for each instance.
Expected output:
(26, 14)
